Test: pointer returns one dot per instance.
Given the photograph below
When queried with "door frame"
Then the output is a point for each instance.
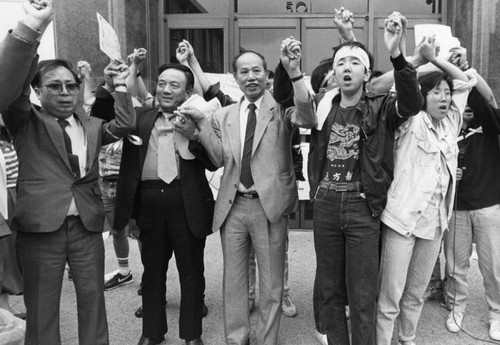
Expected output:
(193, 21)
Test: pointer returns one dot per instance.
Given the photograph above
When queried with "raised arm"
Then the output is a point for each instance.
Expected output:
(18, 50)
(486, 112)
(291, 55)
(134, 82)
(409, 98)
(185, 55)
(344, 20)
(485, 90)
(123, 121)
(429, 52)
(83, 69)
(383, 84)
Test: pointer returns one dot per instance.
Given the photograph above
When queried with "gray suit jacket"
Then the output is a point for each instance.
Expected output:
(272, 164)
(46, 184)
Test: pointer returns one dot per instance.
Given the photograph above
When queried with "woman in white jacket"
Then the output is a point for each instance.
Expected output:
(420, 199)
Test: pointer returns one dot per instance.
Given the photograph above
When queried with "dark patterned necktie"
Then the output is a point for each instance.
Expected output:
(73, 159)
(246, 173)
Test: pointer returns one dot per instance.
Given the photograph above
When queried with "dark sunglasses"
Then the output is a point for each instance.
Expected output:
(57, 88)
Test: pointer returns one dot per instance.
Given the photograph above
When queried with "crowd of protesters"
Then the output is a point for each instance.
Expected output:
(400, 165)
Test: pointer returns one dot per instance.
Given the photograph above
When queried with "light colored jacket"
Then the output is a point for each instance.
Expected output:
(272, 164)
(418, 163)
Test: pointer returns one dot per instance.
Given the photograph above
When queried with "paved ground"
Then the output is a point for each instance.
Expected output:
(125, 328)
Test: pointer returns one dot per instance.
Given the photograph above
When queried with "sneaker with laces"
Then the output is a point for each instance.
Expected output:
(118, 280)
(454, 321)
(494, 329)
(321, 338)
(287, 307)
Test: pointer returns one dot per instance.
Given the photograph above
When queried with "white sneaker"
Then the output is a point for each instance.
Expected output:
(494, 329)
(321, 338)
(454, 321)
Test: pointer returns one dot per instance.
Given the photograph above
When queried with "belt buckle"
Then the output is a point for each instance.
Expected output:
(248, 195)
(341, 187)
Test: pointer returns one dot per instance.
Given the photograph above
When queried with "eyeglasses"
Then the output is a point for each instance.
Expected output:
(57, 88)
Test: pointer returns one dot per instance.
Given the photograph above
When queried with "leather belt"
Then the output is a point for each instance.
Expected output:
(248, 195)
(342, 186)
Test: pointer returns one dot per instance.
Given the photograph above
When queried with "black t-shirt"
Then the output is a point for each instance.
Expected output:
(480, 162)
(342, 153)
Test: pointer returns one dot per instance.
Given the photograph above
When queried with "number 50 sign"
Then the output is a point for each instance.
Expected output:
(298, 7)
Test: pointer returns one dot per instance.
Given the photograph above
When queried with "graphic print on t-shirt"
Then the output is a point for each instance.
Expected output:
(343, 148)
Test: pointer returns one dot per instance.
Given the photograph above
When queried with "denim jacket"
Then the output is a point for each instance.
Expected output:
(381, 116)
(418, 153)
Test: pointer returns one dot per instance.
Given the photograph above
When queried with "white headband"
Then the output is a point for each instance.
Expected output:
(354, 51)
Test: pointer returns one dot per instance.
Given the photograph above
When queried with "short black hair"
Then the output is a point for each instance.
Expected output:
(46, 66)
(354, 44)
(186, 70)
(430, 81)
(235, 60)
(319, 73)
(375, 74)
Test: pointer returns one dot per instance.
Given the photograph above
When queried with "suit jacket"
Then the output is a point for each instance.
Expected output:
(271, 164)
(196, 193)
(46, 184)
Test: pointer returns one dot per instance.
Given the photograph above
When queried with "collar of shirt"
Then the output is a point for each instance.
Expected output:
(72, 121)
(245, 102)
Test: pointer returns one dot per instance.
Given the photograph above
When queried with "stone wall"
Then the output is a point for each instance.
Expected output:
(77, 35)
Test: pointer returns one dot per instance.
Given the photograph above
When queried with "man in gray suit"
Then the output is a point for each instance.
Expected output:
(59, 214)
(252, 140)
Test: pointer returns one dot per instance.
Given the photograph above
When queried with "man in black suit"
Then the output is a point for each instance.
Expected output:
(162, 185)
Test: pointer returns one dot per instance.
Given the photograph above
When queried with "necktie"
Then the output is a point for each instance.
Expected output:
(167, 163)
(246, 172)
(73, 159)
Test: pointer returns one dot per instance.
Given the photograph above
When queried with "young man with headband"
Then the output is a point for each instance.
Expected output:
(350, 170)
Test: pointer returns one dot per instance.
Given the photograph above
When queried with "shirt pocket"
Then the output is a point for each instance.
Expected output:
(426, 154)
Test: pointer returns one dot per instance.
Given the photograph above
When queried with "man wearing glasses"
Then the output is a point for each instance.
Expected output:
(59, 215)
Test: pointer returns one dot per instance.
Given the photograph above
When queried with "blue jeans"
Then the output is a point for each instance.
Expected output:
(406, 266)
(346, 239)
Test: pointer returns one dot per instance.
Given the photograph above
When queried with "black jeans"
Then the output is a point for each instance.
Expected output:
(346, 239)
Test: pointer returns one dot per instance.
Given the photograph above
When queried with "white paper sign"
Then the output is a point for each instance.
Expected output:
(198, 102)
(108, 39)
(443, 36)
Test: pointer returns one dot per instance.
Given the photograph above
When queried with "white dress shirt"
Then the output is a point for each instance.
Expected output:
(78, 138)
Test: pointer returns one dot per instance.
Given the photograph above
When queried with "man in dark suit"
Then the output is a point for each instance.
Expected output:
(162, 185)
(59, 214)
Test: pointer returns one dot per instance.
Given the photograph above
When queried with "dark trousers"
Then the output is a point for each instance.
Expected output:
(164, 230)
(346, 239)
(43, 258)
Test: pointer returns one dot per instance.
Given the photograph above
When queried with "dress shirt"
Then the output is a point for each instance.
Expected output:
(150, 168)
(76, 133)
